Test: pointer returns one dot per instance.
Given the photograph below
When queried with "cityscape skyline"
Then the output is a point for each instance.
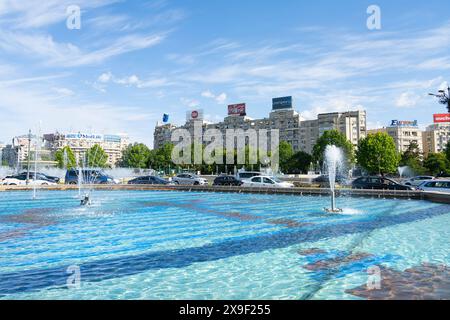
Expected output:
(131, 62)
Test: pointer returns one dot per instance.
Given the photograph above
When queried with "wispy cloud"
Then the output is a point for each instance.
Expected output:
(55, 53)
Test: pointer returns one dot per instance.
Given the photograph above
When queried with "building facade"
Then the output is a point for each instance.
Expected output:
(404, 134)
(300, 133)
(435, 138)
(80, 143)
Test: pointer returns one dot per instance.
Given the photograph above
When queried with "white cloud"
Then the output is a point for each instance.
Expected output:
(407, 100)
(65, 92)
(26, 14)
(105, 77)
(68, 55)
(128, 81)
(220, 99)
(208, 94)
(191, 103)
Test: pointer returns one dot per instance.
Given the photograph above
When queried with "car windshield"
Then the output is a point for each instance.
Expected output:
(276, 180)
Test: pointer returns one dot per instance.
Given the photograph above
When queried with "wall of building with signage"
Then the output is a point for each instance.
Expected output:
(399, 123)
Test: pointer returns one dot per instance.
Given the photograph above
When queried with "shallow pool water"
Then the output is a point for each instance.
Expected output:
(180, 245)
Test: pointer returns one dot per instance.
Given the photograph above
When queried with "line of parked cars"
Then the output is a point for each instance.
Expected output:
(243, 179)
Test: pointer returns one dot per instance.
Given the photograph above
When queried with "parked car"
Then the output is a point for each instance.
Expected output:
(149, 180)
(378, 183)
(416, 181)
(435, 185)
(244, 175)
(189, 179)
(325, 179)
(89, 176)
(42, 176)
(266, 182)
(21, 180)
(227, 181)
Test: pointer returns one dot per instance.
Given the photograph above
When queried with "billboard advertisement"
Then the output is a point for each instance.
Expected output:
(83, 136)
(397, 123)
(194, 115)
(443, 117)
(237, 109)
(282, 103)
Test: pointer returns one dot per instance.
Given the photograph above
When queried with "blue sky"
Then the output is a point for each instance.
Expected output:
(132, 61)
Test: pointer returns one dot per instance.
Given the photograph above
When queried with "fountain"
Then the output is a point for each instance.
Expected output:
(333, 161)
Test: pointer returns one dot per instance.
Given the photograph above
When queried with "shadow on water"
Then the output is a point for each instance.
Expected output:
(103, 269)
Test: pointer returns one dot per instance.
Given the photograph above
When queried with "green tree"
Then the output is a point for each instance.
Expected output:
(286, 152)
(437, 163)
(63, 162)
(96, 157)
(336, 138)
(412, 158)
(447, 151)
(162, 157)
(377, 153)
(300, 162)
(136, 156)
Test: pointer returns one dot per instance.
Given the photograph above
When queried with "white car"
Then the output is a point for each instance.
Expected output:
(435, 186)
(21, 180)
(189, 179)
(266, 182)
(416, 181)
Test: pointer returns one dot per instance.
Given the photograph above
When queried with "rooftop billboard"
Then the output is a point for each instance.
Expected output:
(440, 118)
(237, 109)
(282, 103)
(194, 115)
(397, 123)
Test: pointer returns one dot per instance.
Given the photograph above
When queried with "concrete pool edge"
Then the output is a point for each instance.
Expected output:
(381, 194)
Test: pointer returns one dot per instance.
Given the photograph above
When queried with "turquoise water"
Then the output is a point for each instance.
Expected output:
(177, 245)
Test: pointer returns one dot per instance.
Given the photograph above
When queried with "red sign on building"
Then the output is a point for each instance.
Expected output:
(237, 109)
(443, 117)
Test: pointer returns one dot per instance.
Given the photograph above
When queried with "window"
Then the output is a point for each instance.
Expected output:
(268, 181)
(256, 180)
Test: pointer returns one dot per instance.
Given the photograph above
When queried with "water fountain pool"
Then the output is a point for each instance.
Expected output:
(181, 245)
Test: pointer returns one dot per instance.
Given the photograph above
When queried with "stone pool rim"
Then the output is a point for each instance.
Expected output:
(380, 194)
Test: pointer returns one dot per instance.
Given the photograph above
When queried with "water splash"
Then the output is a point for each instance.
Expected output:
(334, 160)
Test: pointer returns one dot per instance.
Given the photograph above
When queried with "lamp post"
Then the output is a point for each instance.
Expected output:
(444, 97)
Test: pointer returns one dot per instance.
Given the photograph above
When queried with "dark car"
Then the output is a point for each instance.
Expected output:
(227, 181)
(42, 176)
(325, 179)
(378, 183)
(89, 176)
(149, 180)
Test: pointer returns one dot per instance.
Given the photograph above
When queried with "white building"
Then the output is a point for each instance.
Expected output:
(113, 145)
(436, 137)
(404, 134)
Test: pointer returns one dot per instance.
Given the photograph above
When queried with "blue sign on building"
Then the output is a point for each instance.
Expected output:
(281, 103)
(165, 118)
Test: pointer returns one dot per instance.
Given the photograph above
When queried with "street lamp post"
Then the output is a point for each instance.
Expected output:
(444, 97)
